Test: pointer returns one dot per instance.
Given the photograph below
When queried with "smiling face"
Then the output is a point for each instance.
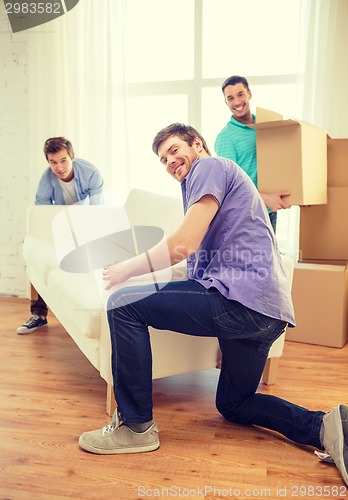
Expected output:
(237, 98)
(178, 156)
(61, 164)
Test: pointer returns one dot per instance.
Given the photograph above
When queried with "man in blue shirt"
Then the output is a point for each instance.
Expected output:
(237, 291)
(67, 180)
(237, 141)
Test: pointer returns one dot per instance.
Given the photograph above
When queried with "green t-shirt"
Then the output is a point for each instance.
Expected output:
(237, 142)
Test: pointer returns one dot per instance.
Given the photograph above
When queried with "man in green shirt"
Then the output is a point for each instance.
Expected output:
(237, 141)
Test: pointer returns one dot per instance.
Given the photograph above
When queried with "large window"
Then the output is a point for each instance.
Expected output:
(249, 38)
(131, 67)
(159, 40)
(146, 115)
(177, 60)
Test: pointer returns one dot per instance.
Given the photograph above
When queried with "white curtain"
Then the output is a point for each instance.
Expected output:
(323, 83)
(76, 85)
(325, 66)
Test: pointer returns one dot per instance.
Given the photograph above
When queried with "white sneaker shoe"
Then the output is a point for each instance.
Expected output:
(33, 323)
(335, 438)
(118, 438)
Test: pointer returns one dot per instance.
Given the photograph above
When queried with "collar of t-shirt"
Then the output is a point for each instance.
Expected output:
(69, 193)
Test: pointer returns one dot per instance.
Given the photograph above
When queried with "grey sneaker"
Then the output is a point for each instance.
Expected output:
(336, 438)
(118, 438)
(33, 323)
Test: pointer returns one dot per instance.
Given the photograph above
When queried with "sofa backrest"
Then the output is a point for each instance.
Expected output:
(147, 208)
(70, 228)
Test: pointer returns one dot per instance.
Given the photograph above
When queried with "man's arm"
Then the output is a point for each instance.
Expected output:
(274, 201)
(177, 247)
(42, 200)
(43, 194)
(96, 189)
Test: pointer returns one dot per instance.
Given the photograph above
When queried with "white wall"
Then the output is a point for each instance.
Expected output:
(14, 181)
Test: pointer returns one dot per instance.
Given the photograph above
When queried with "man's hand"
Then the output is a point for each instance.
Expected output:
(114, 274)
(274, 201)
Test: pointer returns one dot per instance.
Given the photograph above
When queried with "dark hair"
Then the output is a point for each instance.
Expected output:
(185, 132)
(55, 144)
(233, 80)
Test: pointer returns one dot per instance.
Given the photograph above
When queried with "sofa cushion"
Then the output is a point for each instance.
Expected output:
(144, 207)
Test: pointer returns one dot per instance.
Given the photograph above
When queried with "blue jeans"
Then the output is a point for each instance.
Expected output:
(273, 219)
(38, 306)
(245, 338)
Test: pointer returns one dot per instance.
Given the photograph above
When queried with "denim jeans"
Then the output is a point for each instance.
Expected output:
(38, 307)
(245, 338)
(273, 219)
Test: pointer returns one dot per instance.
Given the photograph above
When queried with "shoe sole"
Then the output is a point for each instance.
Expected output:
(331, 426)
(31, 330)
(118, 451)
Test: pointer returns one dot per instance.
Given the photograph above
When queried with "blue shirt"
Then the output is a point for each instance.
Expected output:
(239, 254)
(237, 142)
(88, 184)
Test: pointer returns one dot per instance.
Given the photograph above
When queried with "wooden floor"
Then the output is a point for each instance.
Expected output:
(50, 394)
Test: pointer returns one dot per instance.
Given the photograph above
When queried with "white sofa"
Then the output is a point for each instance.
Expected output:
(57, 234)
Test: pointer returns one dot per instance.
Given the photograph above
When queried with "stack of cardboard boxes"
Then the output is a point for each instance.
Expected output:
(302, 159)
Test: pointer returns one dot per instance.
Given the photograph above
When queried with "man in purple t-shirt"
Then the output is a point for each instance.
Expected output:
(237, 291)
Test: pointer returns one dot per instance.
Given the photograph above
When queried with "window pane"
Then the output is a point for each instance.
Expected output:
(146, 117)
(215, 114)
(281, 98)
(253, 38)
(159, 40)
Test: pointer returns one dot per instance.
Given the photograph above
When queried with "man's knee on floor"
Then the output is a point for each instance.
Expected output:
(229, 411)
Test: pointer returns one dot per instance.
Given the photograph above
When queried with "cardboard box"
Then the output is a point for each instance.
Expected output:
(266, 115)
(291, 156)
(324, 228)
(320, 297)
(337, 162)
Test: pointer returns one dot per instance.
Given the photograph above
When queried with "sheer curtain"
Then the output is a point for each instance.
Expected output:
(77, 88)
(323, 81)
(326, 69)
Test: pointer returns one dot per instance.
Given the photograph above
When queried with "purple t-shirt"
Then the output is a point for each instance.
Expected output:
(239, 254)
